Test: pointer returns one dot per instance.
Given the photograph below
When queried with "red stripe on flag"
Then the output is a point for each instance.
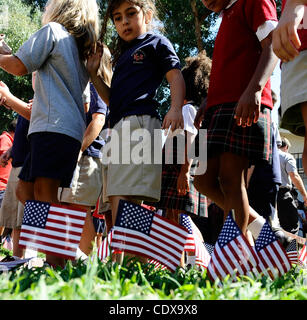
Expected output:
(40, 234)
(129, 239)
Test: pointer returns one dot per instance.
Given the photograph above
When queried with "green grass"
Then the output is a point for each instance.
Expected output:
(97, 281)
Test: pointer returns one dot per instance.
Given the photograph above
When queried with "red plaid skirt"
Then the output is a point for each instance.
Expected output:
(192, 202)
(224, 135)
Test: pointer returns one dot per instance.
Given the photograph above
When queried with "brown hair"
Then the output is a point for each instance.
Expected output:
(119, 45)
(196, 73)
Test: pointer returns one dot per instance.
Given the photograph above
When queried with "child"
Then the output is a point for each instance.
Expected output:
(178, 194)
(57, 52)
(86, 184)
(292, 49)
(11, 212)
(237, 115)
(141, 60)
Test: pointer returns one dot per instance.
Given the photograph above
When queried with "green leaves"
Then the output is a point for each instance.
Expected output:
(97, 281)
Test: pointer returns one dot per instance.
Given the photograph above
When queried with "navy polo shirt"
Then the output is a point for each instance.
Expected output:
(96, 106)
(20, 146)
(137, 75)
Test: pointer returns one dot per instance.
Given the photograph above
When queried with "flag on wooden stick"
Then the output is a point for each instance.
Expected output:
(52, 228)
(142, 232)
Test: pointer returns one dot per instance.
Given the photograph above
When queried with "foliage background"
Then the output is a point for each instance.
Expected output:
(187, 24)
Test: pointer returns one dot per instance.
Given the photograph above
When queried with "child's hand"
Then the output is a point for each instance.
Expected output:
(173, 119)
(285, 38)
(4, 92)
(248, 108)
(93, 61)
(5, 157)
(4, 48)
(183, 183)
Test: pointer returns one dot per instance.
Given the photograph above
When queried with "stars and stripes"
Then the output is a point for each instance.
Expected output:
(273, 259)
(302, 258)
(292, 252)
(232, 254)
(52, 228)
(195, 241)
(104, 250)
(142, 232)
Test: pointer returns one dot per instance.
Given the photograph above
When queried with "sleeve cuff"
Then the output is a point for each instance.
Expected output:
(265, 29)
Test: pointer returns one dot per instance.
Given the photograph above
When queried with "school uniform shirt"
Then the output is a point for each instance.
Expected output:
(97, 105)
(302, 29)
(138, 74)
(21, 145)
(6, 142)
(237, 50)
(61, 81)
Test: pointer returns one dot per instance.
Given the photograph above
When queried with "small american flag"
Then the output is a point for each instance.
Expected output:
(232, 253)
(195, 241)
(292, 252)
(52, 228)
(142, 232)
(156, 264)
(104, 250)
(302, 258)
(273, 259)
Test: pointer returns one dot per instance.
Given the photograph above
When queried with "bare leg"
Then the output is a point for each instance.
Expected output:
(88, 234)
(232, 183)
(17, 251)
(208, 184)
(25, 191)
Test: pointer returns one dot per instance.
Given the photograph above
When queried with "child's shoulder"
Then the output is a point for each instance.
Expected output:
(156, 38)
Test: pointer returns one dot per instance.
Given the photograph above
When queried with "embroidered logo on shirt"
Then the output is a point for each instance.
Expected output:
(138, 56)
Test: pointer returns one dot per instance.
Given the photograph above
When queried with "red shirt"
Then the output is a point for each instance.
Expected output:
(6, 141)
(302, 29)
(237, 51)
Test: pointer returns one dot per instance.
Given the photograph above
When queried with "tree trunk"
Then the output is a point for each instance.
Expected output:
(198, 24)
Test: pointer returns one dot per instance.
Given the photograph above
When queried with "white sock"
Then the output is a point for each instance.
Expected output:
(256, 226)
(80, 254)
(191, 260)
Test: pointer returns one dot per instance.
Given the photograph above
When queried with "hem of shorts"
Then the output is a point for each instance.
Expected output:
(289, 103)
(134, 193)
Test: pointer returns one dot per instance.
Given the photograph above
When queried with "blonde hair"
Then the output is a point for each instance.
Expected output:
(105, 68)
(79, 17)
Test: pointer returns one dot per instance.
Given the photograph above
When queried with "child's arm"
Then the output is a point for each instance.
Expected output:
(4, 48)
(5, 157)
(248, 107)
(12, 102)
(177, 86)
(93, 64)
(93, 129)
(285, 38)
(12, 65)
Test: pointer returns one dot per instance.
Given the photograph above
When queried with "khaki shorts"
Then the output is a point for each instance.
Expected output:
(86, 184)
(293, 93)
(11, 212)
(141, 179)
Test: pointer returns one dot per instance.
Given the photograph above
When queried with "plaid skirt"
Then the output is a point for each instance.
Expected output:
(192, 202)
(224, 135)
